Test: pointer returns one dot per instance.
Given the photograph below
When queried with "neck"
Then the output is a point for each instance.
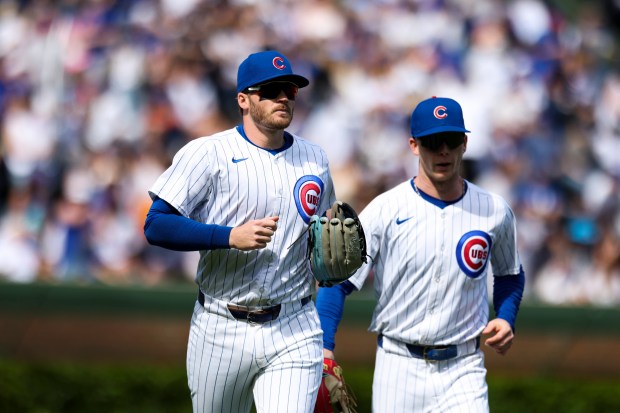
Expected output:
(264, 137)
(445, 190)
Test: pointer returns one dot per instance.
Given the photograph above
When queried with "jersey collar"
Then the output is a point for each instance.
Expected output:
(288, 141)
(436, 201)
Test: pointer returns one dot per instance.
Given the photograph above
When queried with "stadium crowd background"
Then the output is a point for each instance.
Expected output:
(96, 97)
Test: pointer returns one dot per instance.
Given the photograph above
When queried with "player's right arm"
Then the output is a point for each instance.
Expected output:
(330, 300)
(168, 228)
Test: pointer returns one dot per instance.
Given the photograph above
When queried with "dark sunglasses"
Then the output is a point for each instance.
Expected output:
(435, 142)
(273, 89)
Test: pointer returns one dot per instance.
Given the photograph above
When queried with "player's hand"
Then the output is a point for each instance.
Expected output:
(334, 395)
(501, 335)
(253, 235)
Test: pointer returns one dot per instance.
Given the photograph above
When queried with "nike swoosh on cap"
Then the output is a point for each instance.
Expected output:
(400, 221)
(238, 160)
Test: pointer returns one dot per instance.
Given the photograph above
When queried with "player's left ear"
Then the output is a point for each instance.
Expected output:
(465, 144)
(413, 145)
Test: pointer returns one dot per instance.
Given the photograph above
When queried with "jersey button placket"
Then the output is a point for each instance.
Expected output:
(435, 292)
(442, 247)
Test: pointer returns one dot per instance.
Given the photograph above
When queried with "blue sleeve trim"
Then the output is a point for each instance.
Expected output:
(167, 228)
(330, 305)
(507, 295)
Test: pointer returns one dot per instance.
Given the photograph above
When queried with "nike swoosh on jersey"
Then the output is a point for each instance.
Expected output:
(400, 221)
(238, 160)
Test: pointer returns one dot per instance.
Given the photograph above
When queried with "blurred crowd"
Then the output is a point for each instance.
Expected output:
(97, 96)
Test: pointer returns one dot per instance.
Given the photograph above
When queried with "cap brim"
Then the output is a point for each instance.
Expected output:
(299, 80)
(440, 129)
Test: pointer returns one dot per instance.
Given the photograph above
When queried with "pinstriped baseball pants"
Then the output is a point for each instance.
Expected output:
(277, 364)
(404, 384)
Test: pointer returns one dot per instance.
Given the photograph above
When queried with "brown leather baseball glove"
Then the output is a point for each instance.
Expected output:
(334, 394)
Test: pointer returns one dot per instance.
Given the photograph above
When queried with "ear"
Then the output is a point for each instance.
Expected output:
(465, 144)
(243, 101)
(414, 146)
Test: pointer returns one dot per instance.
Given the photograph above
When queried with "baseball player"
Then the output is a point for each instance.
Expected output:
(243, 198)
(432, 240)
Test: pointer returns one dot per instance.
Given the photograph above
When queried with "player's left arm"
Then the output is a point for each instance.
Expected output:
(507, 295)
(508, 285)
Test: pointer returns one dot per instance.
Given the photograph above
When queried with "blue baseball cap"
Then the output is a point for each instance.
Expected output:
(267, 66)
(436, 115)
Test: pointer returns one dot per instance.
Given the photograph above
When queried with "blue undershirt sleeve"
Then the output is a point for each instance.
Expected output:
(167, 228)
(507, 295)
(329, 305)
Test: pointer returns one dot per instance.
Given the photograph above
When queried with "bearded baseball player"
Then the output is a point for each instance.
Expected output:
(244, 198)
(432, 240)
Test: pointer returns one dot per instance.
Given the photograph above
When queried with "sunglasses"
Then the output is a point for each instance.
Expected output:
(436, 141)
(273, 89)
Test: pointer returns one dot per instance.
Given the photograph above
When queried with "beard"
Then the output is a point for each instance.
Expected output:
(271, 119)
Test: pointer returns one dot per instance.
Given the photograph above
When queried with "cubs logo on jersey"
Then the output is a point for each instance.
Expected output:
(472, 253)
(307, 195)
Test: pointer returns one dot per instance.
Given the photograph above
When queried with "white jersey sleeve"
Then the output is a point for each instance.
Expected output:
(188, 181)
(504, 254)
(371, 220)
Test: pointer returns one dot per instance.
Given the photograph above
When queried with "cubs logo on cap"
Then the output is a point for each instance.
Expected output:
(473, 252)
(436, 115)
(268, 66)
(307, 195)
(440, 112)
(278, 62)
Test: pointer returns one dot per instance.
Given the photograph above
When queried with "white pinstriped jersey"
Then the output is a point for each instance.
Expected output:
(431, 264)
(224, 179)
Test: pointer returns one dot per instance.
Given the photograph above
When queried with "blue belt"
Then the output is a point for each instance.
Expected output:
(264, 315)
(433, 353)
